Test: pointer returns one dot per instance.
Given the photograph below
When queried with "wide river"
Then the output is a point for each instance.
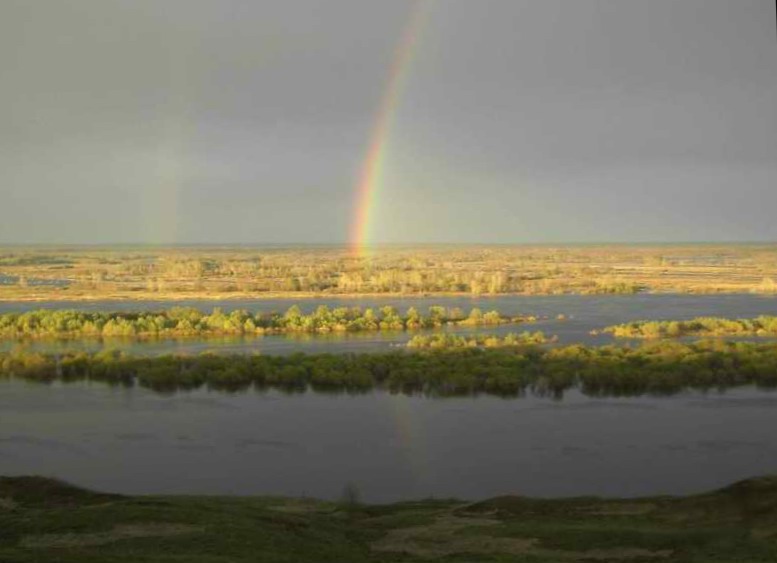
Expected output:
(394, 447)
(583, 314)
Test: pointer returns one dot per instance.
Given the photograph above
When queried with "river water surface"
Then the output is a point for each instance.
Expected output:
(583, 314)
(393, 447)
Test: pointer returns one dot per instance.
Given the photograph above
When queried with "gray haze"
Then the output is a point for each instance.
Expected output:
(519, 120)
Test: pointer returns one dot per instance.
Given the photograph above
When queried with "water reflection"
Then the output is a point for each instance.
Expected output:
(583, 314)
(392, 447)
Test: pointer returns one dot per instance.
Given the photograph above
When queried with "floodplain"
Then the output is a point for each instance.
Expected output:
(230, 272)
(307, 387)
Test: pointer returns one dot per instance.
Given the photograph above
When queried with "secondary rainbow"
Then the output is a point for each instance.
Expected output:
(369, 178)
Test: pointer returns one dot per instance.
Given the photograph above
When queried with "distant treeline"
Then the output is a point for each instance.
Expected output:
(184, 321)
(222, 272)
(656, 368)
(33, 259)
(701, 326)
(448, 340)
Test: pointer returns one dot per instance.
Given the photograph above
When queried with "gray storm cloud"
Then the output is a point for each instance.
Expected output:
(519, 120)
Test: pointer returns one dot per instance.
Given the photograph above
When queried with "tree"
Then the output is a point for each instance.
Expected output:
(351, 494)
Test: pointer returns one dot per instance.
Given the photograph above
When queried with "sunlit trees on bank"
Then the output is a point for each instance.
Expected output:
(219, 272)
(655, 368)
(701, 326)
(184, 321)
(450, 340)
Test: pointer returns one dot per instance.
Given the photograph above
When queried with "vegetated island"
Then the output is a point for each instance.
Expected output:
(186, 321)
(49, 520)
(701, 326)
(663, 367)
(447, 340)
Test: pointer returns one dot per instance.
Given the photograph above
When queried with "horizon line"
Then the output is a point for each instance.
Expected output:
(346, 244)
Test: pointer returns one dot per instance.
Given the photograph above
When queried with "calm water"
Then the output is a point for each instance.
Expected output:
(392, 447)
(584, 313)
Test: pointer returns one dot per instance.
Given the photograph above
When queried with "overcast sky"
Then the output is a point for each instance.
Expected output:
(519, 120)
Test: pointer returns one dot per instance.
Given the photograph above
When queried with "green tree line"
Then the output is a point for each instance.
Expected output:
(700, 326)
(655, 368)
(184, 321)
(449, 340)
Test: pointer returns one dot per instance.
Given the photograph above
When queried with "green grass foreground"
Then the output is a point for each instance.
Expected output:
(662, 367)
(47, 520)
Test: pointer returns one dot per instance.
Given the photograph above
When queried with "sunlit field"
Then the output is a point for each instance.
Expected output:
(263, 272)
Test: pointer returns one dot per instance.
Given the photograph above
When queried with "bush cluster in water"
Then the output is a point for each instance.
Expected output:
(448, 340)
(659, 368)
(701, 326)
(184, 321)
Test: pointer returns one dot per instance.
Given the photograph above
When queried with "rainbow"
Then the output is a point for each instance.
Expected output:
(411, 438)
(368, 183)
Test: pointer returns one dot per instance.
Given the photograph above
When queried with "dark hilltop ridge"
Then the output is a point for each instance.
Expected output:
(48, 520)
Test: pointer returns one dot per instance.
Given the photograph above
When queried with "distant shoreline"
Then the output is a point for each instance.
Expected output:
(478, 272)
(311, 296)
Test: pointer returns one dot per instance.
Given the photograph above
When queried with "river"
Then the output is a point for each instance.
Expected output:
(582, 315)
(392, 447)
